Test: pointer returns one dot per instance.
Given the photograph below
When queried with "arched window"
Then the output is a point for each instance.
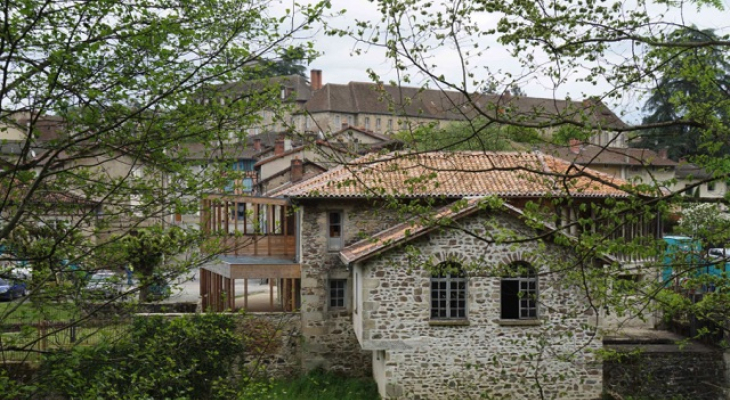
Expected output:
(448, 291)
(519, 292)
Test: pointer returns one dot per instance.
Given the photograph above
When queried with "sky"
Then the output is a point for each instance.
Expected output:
(340, 63)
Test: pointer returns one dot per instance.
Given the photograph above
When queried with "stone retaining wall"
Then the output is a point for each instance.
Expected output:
(274, 343)
(663, 371)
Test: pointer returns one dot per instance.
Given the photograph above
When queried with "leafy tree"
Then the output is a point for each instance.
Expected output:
(687, 75)
(99, 100)
(470, 135)
(145, 249)
(289, 63)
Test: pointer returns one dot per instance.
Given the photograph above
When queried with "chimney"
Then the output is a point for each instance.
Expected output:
(316, 79)
(257, 144)
(663, 153)
(575, 146)
(345, 125)
(278, 147)
(297, 171)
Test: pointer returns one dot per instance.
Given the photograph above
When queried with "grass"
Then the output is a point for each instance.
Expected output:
(44, 327)
(25, 311)
(317, 385)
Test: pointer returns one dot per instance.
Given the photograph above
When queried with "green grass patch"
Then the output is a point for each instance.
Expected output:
(317, 385)
(25, 311)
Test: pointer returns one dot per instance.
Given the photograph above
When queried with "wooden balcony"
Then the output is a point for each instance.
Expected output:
(254, 238)
(248, 225)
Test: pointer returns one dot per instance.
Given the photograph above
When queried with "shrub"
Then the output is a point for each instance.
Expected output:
(181, 358)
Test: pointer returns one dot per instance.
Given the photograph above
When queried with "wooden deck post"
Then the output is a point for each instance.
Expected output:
(232, 295)
(245, 294)
(271, 294)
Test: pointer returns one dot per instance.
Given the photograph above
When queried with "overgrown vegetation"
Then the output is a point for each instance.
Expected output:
(182, 358)
(317, 385)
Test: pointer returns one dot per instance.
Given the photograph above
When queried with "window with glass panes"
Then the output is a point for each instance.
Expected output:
(448, 292)
(337, 293)
(334, 230)
(519, 292)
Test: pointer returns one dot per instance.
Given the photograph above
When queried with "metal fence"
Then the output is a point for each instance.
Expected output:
(28, 341)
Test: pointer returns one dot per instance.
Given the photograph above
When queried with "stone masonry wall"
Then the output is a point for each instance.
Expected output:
(273, 344)
(428, 359)
(666, 372)
(328, 336)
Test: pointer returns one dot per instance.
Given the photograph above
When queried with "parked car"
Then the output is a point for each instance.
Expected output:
(104, 283)
(718, 253)
(11, 288)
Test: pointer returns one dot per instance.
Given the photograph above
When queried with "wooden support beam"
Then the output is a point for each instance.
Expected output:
(227, 218)
(232, 291)
(226, 293)
(293, 294)
(271, 294)
(204, 289)
(245, 294)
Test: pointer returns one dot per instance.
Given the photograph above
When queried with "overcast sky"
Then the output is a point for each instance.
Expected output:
(340, 64)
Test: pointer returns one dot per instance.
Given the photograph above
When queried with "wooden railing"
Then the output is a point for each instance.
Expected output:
(248, 225)
(252, 245)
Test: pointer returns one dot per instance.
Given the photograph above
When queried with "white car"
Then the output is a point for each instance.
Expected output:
(718, 253)
(105, 283)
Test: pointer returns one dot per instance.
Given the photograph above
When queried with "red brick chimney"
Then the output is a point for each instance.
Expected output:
(345, 125)
(663, 153)
(575, 146)
(278, 147)
(257, 144)
(297, 170)
(316, 79)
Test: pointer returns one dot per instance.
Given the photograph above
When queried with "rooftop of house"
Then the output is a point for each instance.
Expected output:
(691, 171)
(587, 154)
(457, 175)
(374, 98)
(296, 88)
(228, 151)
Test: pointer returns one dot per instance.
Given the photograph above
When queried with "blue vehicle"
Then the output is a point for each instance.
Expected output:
(684, 258)
(12, 288)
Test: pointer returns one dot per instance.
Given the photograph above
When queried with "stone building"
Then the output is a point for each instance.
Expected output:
(437, 284)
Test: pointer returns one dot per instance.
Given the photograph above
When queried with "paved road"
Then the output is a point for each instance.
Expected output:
(187, 288)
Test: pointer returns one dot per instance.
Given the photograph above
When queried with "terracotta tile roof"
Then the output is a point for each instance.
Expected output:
(371, 98)
(406, 231)
(598, 155)
(459, 174)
